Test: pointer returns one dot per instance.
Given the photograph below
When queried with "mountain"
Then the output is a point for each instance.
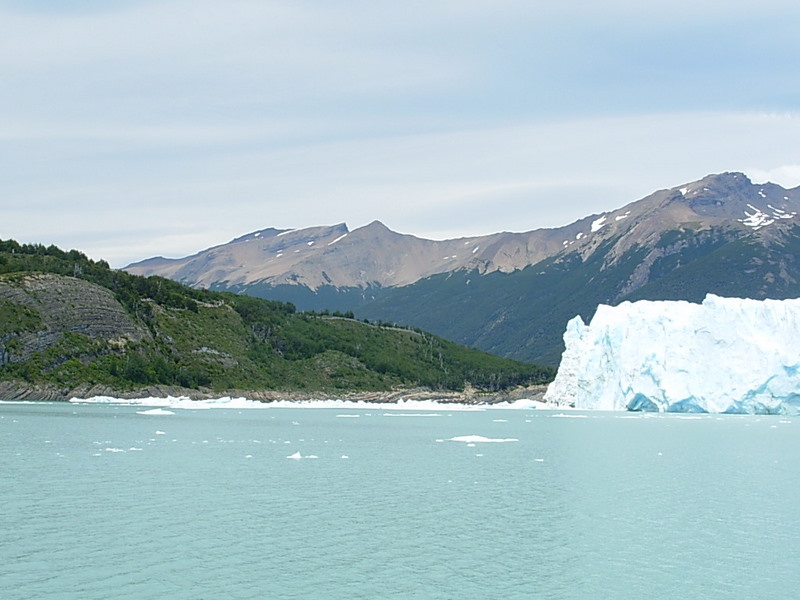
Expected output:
(513, 293)
(70, 325)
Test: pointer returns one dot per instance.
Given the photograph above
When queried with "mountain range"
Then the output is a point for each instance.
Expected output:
(512, 293)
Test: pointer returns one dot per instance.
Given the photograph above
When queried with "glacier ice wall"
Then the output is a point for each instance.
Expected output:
(724, 355)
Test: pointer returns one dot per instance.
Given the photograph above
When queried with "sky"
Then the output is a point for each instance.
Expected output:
(139, 128)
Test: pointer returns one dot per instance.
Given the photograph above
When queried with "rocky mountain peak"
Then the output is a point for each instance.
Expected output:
(375, 255)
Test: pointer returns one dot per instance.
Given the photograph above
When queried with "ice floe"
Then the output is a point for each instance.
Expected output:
(479, 439)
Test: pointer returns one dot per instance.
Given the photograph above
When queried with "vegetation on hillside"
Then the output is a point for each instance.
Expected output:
(222, 341)
(524, 314)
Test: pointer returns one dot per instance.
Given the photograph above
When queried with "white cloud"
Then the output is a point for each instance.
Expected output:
(165, 127)
(540, 174)
(787, 176)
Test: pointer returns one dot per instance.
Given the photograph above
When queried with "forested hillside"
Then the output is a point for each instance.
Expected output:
(68, 320)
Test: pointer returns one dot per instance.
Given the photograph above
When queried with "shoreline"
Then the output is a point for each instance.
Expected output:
(22, 391)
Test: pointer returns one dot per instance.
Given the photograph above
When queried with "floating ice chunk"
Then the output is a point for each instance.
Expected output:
(114, 450)
(155, 411)
(160, 432)
(411, 415)
(295, 456)
(521, 404)
(479, 439)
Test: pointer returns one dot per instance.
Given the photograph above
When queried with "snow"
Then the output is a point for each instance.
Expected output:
(724, 355)
(338, 239)
(758, 218)
(597, 224)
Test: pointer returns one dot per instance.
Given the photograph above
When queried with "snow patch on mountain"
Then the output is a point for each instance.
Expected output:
(724, 355)
(597, 224)
(756, 218)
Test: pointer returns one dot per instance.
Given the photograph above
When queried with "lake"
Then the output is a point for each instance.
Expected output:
(107, 500)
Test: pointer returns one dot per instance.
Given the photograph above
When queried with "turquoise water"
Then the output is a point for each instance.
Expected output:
(101, 501)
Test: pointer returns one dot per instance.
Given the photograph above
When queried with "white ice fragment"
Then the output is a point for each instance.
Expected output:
(295, 456)
(155, 411)
(597, 224)
(479, 439)
(160, 432)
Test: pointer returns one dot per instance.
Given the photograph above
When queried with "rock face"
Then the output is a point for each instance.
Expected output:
(57, 305)
(376, 256)
(724, 355)
(372, 255)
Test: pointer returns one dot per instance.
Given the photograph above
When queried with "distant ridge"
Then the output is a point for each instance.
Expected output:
(512, 293)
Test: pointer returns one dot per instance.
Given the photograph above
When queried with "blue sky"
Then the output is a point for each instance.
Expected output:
(134, 128)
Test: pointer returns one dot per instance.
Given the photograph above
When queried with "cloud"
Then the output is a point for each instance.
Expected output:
(787, 176)
(539, 174)
(131, 127)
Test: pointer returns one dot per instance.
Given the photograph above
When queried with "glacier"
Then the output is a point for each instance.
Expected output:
(725, 355)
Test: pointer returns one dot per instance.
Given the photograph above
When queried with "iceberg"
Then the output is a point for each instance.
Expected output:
(725, 355)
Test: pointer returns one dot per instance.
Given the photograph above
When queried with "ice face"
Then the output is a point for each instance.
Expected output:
(724, 355)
